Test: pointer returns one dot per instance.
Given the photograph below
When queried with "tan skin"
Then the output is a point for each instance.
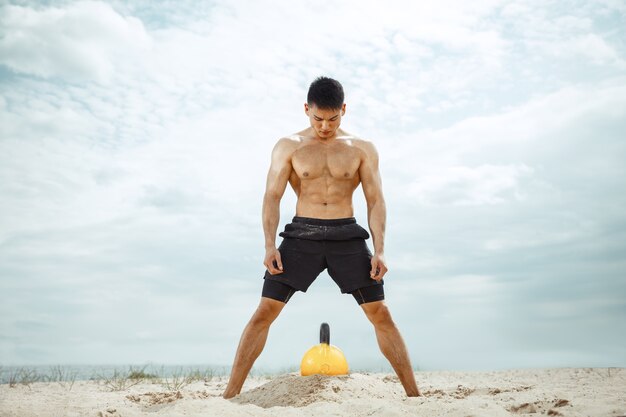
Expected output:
(324, 165)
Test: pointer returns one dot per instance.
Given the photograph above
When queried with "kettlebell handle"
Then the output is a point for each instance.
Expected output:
(325, 333)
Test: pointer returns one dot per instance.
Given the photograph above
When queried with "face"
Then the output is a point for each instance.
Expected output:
(325, 122)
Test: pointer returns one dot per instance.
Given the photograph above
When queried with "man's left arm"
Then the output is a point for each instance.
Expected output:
(376, 210)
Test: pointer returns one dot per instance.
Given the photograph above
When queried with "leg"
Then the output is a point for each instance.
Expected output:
(391, 344)
(252, 343)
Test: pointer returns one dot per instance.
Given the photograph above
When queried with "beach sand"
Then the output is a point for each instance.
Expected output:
(595, 392)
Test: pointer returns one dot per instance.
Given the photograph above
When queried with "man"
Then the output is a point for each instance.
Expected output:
(324, 165)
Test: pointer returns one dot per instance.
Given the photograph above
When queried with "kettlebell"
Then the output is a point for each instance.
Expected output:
(324, 359)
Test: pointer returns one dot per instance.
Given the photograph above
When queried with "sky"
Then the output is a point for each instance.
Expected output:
(135, 139)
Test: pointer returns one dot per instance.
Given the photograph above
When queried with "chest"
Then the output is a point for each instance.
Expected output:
(314, 161)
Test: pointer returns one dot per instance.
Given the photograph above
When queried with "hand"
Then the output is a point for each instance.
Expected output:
(379, 267)
(273, 262)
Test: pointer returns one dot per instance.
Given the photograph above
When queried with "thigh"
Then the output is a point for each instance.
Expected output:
(349, 264)
(369, 294)
(277, 290)
(303, 260)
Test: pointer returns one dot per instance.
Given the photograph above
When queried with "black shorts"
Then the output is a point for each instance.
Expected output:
(311, 245)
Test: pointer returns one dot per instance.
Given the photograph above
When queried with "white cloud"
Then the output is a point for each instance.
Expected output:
(138, 183)
(590, 46)
(533, 237)
(81, 41)
(458, 185)
(525, 135)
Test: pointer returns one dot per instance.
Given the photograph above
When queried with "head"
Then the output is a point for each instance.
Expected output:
(325, 106)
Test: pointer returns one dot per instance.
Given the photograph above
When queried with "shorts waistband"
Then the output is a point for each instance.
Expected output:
(324, 222)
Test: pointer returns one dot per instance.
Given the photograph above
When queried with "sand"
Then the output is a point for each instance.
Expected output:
(595, 392)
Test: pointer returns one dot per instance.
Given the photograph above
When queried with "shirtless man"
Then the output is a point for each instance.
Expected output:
(324, 165)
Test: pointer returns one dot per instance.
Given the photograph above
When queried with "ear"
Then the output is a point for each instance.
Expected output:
(306, 108)
(343, 109)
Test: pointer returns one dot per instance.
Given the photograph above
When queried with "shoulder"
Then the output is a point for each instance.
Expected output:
(358, 142)
(367, 146)
(364, 144)
(287, 144)
(289, 141)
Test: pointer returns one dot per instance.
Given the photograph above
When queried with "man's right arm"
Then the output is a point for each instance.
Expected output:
(277, 178)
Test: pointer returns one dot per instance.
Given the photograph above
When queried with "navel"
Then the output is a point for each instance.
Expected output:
(325, 204)
(306, 174)
(346, 175)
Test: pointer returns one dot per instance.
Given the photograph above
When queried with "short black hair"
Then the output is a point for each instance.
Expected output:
(325, 93)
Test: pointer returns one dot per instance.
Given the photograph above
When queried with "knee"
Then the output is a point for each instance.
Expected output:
(264, 315)
(380, 316)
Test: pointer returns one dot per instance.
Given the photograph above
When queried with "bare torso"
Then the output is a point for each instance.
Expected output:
(324, 175)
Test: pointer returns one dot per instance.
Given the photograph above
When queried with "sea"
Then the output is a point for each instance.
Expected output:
(52, 373)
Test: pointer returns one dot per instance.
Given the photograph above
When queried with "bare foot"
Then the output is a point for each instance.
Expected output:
(228, 395)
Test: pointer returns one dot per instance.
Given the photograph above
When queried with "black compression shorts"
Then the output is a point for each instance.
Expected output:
(311, 245)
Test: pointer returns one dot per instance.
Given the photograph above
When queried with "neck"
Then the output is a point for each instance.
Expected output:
(325, 140)
(328, 139)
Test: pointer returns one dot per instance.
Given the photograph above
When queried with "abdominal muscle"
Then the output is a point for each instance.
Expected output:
(333, 202)
(321, 211)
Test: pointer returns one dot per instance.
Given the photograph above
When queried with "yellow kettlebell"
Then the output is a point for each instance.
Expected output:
(324, 359)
